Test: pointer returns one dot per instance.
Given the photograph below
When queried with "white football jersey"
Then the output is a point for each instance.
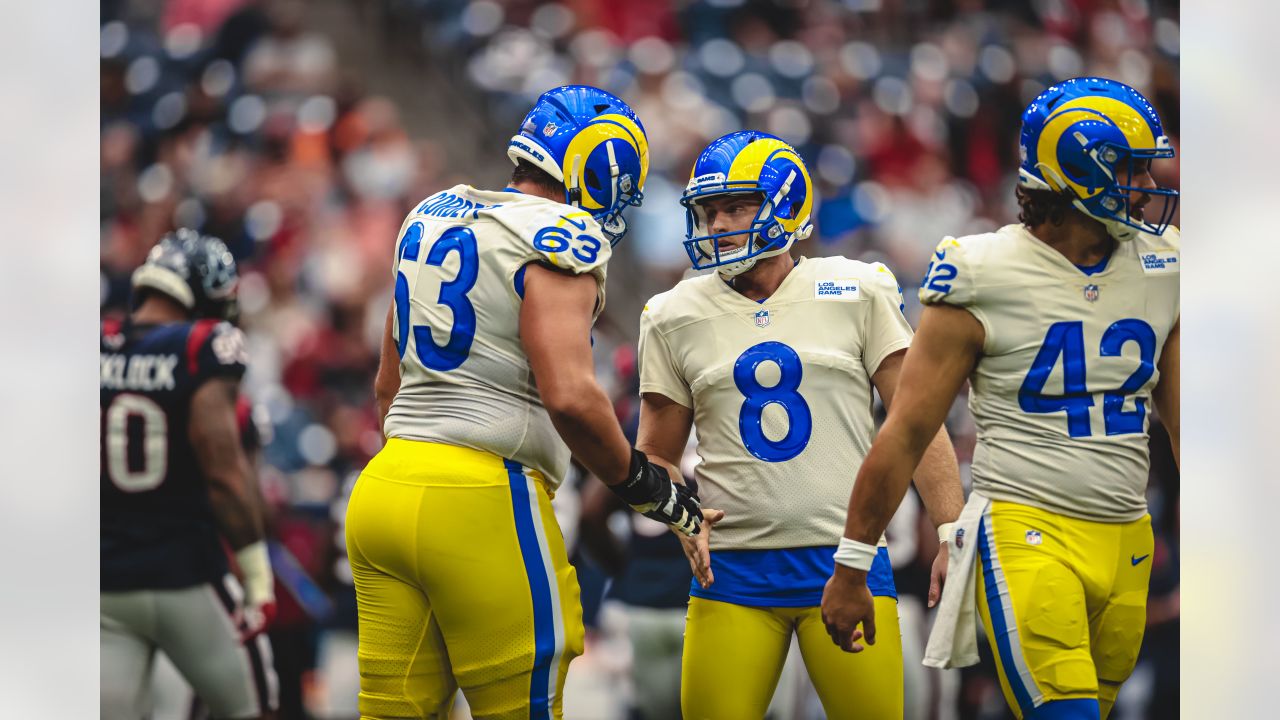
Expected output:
(464, 377)
(1062, 393)
(780, 392)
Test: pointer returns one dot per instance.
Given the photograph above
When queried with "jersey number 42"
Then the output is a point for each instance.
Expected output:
(1066, 340)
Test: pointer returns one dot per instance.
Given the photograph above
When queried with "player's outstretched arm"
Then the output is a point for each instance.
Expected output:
(215, 437)
(944, 351)
(937, 478)
(1168, 395)
(387, 382)
(555, 329)
(664, 430)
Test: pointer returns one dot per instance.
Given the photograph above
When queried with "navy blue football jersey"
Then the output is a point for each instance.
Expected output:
(158, 529)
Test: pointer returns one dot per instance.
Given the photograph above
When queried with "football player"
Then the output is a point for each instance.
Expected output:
(459, 566)
(175, 477)
(774, 360)
(1066, 326)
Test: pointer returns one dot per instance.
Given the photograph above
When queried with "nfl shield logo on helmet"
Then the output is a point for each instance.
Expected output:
(1091, 293)
(550, 129)
(762, 318)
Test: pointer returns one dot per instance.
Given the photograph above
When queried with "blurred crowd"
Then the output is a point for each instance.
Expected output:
(253, 120)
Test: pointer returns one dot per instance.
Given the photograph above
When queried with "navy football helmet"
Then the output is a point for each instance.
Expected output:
(196, 271)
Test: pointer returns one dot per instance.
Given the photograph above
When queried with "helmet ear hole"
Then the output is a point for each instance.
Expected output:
(593, 180)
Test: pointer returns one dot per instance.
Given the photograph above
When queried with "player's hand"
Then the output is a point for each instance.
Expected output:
(254, 561)
(846, 603)
(938, 575)
(698, 548)
(256, 619)
(649, 491)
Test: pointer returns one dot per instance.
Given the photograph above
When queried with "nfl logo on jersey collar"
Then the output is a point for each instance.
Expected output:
(762, 319)
(1034, 537)
(1091, 293)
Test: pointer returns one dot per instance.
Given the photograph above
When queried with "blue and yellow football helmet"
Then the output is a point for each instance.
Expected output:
(748, 162)
(594, 143)
(1092, 138)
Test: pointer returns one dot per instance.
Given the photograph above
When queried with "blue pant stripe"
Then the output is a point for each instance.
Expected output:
(998, 625)
(1077, 709)
(539, 588)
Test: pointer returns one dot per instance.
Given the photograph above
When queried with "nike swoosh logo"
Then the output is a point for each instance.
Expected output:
(1136, 560)
(581, 225)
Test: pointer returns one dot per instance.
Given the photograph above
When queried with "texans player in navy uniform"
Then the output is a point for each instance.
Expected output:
(174, 478)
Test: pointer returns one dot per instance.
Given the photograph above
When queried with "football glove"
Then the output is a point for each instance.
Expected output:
(259, 590)
(649, 491)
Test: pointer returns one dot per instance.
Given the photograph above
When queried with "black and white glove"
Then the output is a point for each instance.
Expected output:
(649, 491)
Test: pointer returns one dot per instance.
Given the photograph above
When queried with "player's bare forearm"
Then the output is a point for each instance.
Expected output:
(881, 484)
(938, 475)
(664, 430)
(387, 383)
(555, 329)
(937, 479)
(1168, 394)
(944, 351)
(585, 420)
(215, 437)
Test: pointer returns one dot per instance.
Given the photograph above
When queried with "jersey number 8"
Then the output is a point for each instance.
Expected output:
(750, 418)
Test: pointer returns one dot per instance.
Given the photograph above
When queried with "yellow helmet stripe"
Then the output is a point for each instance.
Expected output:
(751, 160)
(1135, 127)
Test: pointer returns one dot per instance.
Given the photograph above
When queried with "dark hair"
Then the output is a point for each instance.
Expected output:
(1040, 206)
(528, 172)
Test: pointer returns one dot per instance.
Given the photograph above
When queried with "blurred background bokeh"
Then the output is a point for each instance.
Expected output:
(302, 131)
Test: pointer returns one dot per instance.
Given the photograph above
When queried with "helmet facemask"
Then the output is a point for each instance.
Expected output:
(622, 192)
(765, 235)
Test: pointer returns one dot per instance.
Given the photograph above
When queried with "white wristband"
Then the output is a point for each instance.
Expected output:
(945, 531)
(255, 565)
(854, 554)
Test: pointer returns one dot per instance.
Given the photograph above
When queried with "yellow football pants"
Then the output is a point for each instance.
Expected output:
(1064, 602)
(462, 581)
(733, 655)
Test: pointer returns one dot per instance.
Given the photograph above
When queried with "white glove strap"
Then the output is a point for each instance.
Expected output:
(854, 554)
(945, 531)
(259, 587)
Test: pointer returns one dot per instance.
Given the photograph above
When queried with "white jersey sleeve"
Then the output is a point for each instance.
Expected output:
(562, 237)
(658, 371)
(950, 279)
(887, 330)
